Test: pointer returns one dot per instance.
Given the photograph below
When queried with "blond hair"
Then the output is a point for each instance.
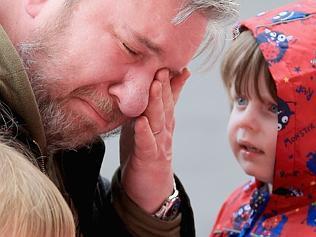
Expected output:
(242, 64)
(30, 204)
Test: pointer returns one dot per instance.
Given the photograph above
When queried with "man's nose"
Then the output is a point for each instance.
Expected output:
(132, 92)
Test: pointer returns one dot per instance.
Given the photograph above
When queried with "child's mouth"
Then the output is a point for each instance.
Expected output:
(252, 149)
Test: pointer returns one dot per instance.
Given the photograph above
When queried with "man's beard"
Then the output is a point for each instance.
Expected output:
(63, 128)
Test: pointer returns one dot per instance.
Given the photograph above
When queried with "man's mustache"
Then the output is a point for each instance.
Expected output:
(104, 104)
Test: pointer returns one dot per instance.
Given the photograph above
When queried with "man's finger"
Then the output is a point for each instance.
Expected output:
(155, 111)
(167, 95)
(145, 143)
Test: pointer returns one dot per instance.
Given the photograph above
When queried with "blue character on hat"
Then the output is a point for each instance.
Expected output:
(284, 114)
(311, 163)
(275, 44)
(311, 215)
(288, 16)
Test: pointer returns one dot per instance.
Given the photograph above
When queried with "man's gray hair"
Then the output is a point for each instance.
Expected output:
(219, 14)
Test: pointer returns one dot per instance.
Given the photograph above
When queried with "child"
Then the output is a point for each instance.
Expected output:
(30, 204)
(270, 74)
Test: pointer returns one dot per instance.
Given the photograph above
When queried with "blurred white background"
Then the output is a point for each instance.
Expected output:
(202, 157)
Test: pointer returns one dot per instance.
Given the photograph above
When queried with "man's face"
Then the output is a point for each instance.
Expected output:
(97, 72)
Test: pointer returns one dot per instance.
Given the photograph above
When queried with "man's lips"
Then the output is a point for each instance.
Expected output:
(112, 115)
(94, 108)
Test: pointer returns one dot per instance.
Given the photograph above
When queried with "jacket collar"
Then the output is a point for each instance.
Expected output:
(16, 91)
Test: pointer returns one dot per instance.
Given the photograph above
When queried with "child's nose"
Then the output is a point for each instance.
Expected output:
(250, 119)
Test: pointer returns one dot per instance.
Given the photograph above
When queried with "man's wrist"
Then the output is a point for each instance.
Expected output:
(170, 207)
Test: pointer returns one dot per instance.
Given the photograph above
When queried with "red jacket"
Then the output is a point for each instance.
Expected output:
(287, 38)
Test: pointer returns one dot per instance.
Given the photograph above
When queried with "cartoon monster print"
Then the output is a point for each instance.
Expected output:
(241, 216)
(271, 226)
(284, 114)
(274, 45)
(289, 16)
(311, 163)
(288, 192)
(311, 215)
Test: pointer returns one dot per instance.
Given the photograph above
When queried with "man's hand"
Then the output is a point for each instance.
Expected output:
(146, 144)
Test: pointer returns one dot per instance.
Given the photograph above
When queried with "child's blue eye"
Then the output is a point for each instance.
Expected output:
(241, 101)
(274, 108)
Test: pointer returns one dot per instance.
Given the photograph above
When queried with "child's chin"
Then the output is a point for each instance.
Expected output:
(264, 180)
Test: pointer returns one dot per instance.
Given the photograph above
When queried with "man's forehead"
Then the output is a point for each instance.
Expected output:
(144, 39)
(159, 35)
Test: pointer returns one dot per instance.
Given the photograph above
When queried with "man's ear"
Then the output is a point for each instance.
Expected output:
(34, 7)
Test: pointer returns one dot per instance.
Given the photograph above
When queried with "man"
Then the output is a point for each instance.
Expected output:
(90, 67)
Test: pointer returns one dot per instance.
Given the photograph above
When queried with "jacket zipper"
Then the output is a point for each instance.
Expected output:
(40, 159)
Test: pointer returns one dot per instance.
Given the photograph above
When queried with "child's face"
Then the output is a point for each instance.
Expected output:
(252, 131)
